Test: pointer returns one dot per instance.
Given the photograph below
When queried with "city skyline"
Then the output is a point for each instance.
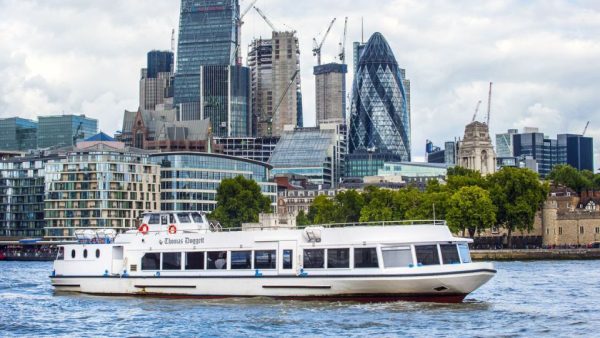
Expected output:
(540, 57)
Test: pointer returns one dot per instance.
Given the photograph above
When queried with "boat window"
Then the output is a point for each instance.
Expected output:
(184, 218)
(97, 253)
(464, 253)
(449, 254)
(427, 255)
(197, 217)
(61, 254)
(338, 258)
(84, 253)
(194, 260)
(288, 259)
(365, 258)
(73, 253)
(314, 259)
(265, 259)
(171, 261)
(241, 259)
(154, 219)
(398, 257)
(164, 219)
(151, 261)
(216, 260)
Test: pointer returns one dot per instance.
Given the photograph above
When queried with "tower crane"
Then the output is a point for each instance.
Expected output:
(265, 18)
(586, 128)
(239, 21)
(173, 40)
(276, 109)
(78, 134)
(476, 111)
(489, 104)
(343, 43)
(317, 46)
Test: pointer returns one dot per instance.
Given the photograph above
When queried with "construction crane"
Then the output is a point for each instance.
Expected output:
(343, 43)
(317, 46)
(173, 40)
(78, 134)
(586, 128)
(476, 111)
(489, 104)
(239, 21)
(287, 89)
(265, 18)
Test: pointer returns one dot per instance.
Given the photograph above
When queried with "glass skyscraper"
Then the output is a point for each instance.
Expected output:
(159, 62)
(18, 134)
(61, 130)
(207, 37)
(379, 118)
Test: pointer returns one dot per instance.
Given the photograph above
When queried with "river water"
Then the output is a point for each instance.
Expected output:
(524, 299)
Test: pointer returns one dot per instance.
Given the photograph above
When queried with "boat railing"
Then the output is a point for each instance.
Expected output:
(336, 225)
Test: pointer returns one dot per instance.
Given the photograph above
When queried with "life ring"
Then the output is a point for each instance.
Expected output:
(143, 229)
(172, 229)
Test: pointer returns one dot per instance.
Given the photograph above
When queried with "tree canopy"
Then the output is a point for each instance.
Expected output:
(471, 209)
(239, 200)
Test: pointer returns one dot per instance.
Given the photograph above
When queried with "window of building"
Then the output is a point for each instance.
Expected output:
(171, 261)
(365, 258)
(397, 257)
(560, 230)
(194, 260)
(465, 255)
(184, 218)
(216, 260)
(151, 261)
(314, 259)
(288, 259)
(581, 230)
(241, 260)
(449, 254)
(265, 259)
(427, 254)
(338, 258)
(598, 230)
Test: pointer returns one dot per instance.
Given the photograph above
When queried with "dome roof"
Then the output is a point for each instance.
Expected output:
(377, 50)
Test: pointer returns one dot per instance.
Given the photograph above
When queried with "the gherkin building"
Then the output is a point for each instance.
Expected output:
(379, 118)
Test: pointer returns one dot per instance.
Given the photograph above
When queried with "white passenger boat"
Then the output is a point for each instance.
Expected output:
(180, 254)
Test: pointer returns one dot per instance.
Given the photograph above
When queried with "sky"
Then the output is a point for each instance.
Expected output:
(85, 56)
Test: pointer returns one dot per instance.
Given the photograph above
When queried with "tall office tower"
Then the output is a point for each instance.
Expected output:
(17, 134)
(273, 64)
(406, 83)
(64, 130)
(357, 50)
(504, 143)
(379, 117)
(156, 80)
(260, 62)
(330, 82)
(286, 62)
(225, 100)
(576, 151)
(207, 37)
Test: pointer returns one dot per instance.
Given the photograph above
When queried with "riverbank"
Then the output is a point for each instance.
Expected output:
(535, 254)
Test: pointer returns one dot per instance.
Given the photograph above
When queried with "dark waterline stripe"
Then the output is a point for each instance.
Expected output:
(166, 286)
(296, 286)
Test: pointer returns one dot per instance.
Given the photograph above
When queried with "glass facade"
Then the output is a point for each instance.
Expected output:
(61, 129)
(17, 134)
(99, 188)
(379, 118)
(159, 62)
(207, 37)
(226, 100)
(22, 197)
(364, 163)
(189, 181)
(576, 151)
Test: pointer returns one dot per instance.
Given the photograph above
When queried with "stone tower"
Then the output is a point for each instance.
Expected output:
(476, 151)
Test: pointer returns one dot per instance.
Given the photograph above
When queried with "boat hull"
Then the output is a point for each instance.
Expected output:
(448, 287)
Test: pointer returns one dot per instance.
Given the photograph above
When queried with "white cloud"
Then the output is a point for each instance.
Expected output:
(84, 56)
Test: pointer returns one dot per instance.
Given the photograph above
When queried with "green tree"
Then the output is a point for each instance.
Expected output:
(459, 177)
(348, 206)
(302, 219)
(379, 205)
(471, 209)
(518, 194)
(564, 174)
(322, 210)
(239, 200)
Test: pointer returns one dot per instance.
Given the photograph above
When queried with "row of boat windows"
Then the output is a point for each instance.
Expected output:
(337, 258)
(170, 218)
